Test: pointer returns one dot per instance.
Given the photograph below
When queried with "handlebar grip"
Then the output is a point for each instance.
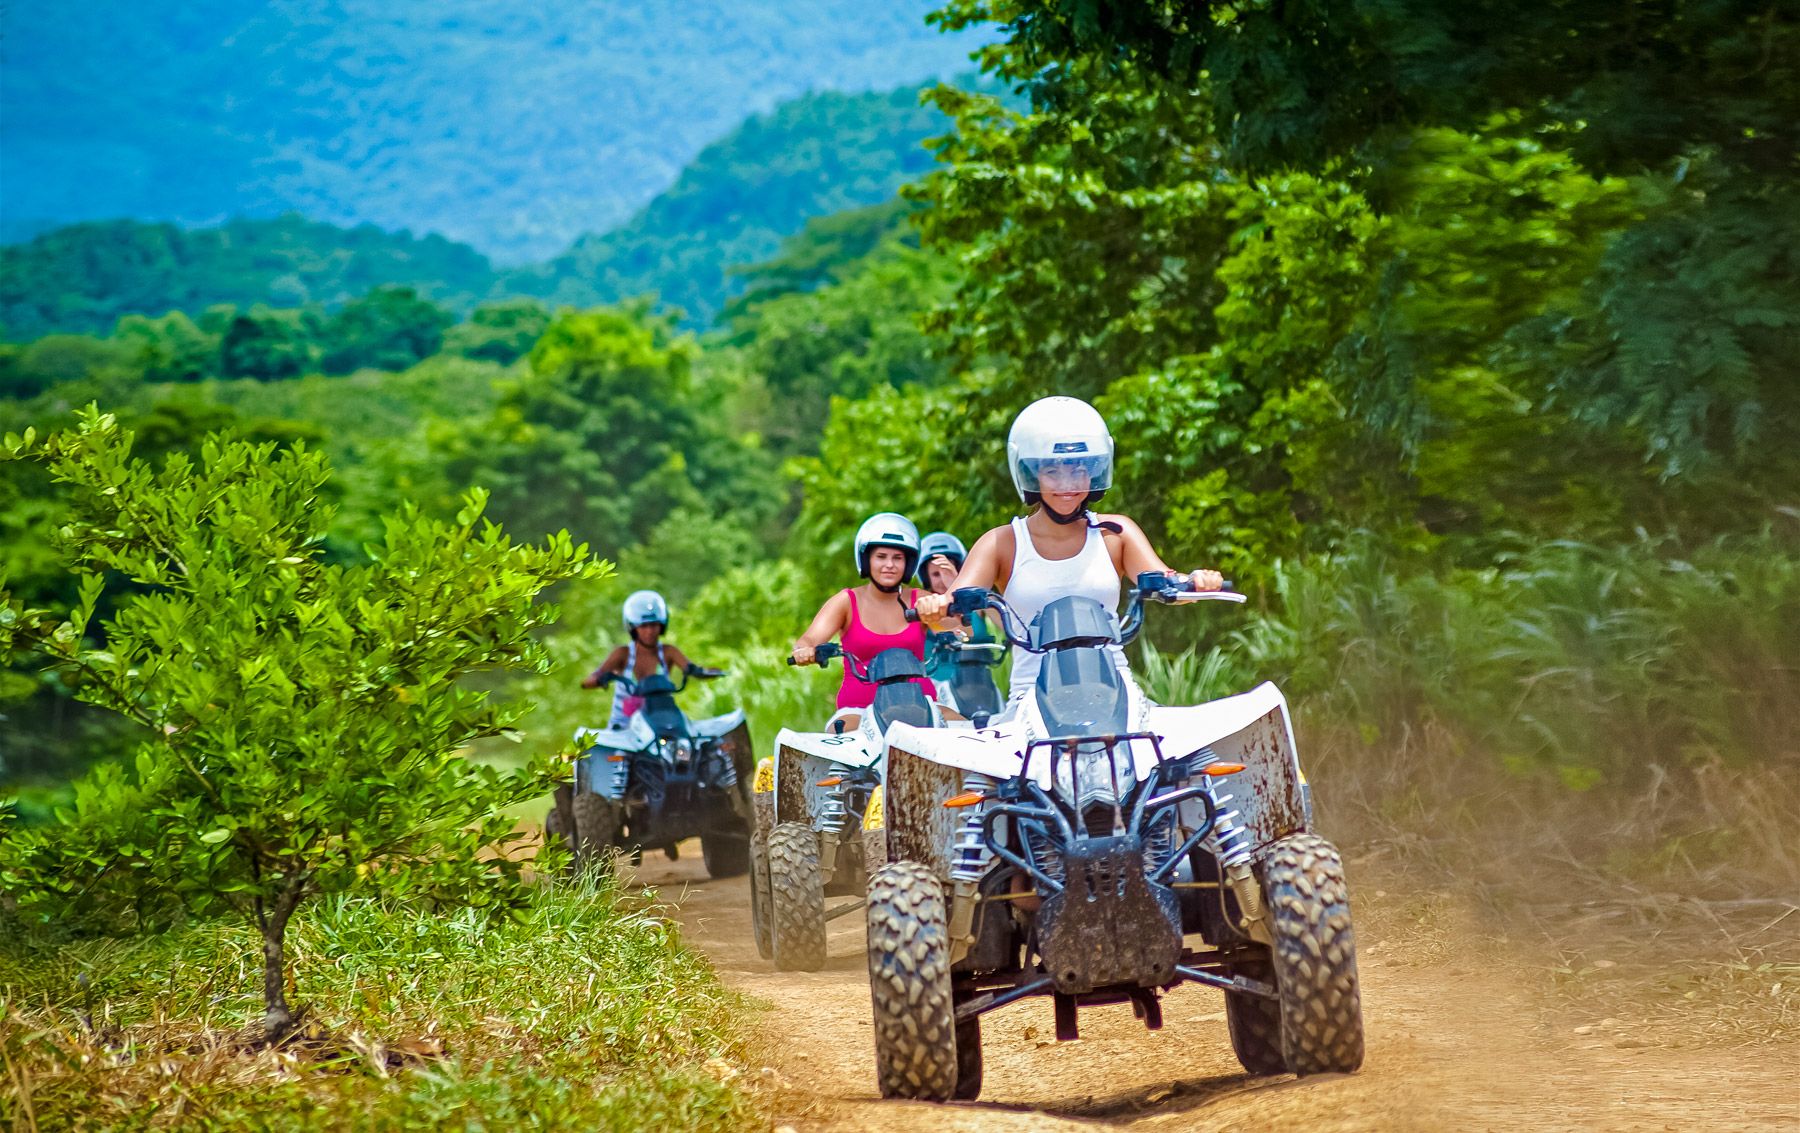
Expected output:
(909, 614)
(791, 661)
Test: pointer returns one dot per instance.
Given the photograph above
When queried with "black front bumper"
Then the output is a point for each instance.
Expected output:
(1109, 924)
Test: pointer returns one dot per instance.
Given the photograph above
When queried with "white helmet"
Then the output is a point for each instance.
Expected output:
(886, 529)
(940, 543)
(1059, 431)
(644, 607)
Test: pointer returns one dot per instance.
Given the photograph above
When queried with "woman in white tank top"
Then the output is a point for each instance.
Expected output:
(1060, 455)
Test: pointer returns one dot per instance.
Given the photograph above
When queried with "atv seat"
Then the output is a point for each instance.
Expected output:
(895, 673)
(902, 703)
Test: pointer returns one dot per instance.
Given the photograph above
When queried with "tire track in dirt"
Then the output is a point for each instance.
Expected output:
(1451, 1045)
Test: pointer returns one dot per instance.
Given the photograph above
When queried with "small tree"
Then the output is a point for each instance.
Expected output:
(304, 720)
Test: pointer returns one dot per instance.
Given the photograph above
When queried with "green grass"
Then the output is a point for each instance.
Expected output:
(580, 1012)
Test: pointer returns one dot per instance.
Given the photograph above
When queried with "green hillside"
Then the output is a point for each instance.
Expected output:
(509, 126)
(84, 277)
(813, 156)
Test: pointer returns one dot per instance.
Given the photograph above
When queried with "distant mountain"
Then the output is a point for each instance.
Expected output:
(83, 277)
(509, 125)
(813, 156)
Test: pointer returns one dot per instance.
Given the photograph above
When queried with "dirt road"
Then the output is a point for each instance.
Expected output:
(1453, 1044)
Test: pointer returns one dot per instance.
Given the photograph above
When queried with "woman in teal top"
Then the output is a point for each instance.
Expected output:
(941, 555)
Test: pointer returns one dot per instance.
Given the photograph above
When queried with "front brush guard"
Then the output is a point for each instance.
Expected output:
(1109, 924)
(1110, 919)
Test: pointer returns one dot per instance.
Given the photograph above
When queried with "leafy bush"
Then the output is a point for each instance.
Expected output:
(303, 721)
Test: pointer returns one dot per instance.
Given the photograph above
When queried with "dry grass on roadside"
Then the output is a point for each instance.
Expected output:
(1671, 909)
(580, 1012)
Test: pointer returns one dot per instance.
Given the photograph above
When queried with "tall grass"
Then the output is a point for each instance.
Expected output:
(577, 1013)
(1627, 713)
(1594, 664)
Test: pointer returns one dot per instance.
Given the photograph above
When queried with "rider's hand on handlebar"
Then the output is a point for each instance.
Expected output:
(1206, 581)
(803, 655)
(932, 607)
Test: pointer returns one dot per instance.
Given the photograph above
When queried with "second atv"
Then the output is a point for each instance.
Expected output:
(811, 799)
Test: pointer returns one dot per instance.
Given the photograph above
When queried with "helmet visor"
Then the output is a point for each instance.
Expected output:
(1065, 472)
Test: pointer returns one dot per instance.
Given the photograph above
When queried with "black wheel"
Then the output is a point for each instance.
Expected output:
(725, 854)
(1255, 1026)
(760, 913)
(909, 987)
(1315, 956)
(596, 830)
(797, 898)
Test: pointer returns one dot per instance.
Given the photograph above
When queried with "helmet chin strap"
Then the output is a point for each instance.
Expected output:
(1079, 514)
(894, 589)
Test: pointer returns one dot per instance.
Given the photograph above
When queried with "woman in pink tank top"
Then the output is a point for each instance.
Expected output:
(870, 618)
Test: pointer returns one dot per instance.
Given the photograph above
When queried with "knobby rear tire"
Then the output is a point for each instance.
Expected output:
(760, 913)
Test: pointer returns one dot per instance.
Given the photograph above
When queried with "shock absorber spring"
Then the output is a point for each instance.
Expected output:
(833, 815)
(1231, 842)
(969, 855)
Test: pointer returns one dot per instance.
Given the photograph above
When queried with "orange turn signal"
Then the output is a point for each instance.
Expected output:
(615, 759)
(1217, 769)
(831, 782)
(967, 798)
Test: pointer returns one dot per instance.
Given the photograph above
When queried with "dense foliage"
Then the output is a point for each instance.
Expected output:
(810, 157)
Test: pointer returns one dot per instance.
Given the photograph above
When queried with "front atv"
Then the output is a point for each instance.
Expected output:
(662, 779)
(811, 801)
(1098, 849)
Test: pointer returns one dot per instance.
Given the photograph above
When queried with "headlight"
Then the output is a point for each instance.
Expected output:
(1095, 774)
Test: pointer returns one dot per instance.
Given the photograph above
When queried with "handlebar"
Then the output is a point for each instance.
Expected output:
(631, 686)
(1154, 586)
(822, 652)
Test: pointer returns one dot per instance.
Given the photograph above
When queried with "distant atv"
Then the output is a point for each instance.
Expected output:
(662, 779)
(1097, 849)
(811, 799)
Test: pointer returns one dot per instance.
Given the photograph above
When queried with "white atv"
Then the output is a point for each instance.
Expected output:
(1096, 848)
(811, 799)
